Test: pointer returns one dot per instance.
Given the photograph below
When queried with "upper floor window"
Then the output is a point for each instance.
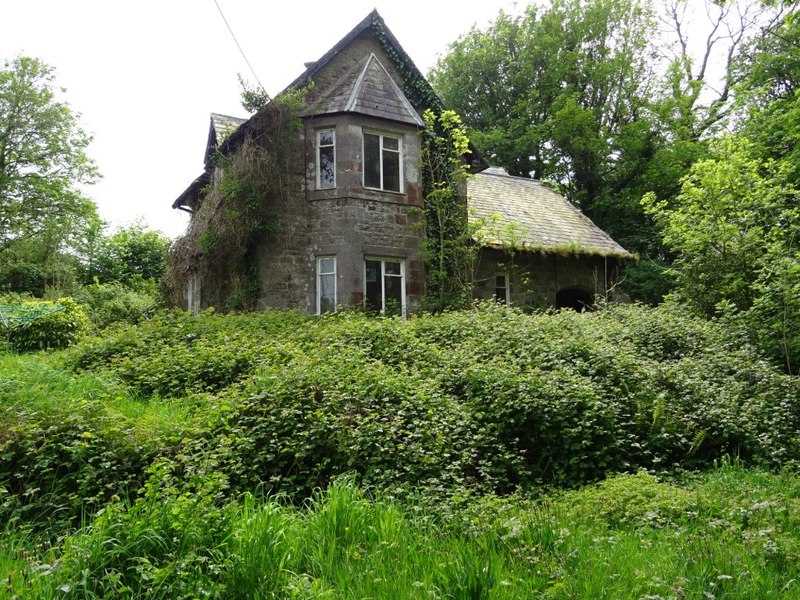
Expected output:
(382, 162)
(326, 159)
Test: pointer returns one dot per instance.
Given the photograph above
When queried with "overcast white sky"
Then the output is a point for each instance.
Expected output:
(146, 74)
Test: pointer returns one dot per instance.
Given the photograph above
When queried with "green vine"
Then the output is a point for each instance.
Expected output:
(449, 249)
(415, 86)
(252, 172)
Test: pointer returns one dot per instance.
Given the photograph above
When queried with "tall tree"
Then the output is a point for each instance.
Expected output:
(42, 157)
(769, 91)
(565, 93)
(735, 228)
(608, 99)
(542, 93)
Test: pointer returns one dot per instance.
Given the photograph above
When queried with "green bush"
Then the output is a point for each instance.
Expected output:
(482, 401)
(54, 330)
(114, 302)
(489, 398)
(175, 353)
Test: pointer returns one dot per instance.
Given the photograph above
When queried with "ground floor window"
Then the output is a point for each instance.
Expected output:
(193, 294)
(502, 288)
(384, 282)
(326, 284)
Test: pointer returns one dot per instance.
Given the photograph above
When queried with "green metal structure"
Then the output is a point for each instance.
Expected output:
(14, 316)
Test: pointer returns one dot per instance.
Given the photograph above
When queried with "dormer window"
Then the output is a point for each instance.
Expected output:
(326, 159)
(382, 162)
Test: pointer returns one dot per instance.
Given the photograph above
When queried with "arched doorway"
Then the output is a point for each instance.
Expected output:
(574, 298)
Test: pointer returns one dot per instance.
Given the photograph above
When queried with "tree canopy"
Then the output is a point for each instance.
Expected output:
(43, 157)
(613, 99)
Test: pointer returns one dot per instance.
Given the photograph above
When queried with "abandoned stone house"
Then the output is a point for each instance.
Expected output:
(350, 233)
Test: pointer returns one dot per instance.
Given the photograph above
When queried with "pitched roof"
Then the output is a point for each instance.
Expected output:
(366, 88)
(372, 86)
(402, 61)
(544, 220)
(221, 127)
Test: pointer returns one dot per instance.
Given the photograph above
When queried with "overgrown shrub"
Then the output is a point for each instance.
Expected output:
(114, 302)
(175, 352)
(488, 398)
(54, 330)
(66, 444)
(482, 401)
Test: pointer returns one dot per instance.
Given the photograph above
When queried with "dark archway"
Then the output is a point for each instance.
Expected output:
(574, 298)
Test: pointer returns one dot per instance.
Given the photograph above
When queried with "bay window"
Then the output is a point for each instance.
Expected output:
(382, 162)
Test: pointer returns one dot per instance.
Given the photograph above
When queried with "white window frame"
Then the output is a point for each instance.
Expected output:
(383, 260)
(507, 287)
(193, 293)
(381, 135)
(320, 132)
(319, 284)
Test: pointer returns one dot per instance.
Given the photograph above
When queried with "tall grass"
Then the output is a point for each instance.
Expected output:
(730, 533)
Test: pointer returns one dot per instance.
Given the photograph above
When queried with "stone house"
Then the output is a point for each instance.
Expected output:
(350, 231)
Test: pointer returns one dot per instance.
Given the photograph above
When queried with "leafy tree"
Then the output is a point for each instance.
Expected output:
(610, 100)
(770, 95)
(42, 156)
(735, 228)
(42, 163)
(565, 93)
(540, 93)
(132, 254)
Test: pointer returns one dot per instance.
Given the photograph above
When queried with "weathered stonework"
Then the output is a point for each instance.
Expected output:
(541, 280)
(355, 90)
(349, 222)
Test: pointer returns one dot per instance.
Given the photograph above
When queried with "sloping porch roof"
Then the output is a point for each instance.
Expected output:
(530, 215)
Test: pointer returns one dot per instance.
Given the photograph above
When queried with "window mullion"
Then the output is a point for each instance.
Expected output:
(383, 286)
(380, 161)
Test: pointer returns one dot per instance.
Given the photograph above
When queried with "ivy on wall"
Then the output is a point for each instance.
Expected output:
(449, 249)
(414, 86)
(251, 173)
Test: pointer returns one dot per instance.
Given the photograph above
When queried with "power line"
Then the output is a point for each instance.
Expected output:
(252, 70)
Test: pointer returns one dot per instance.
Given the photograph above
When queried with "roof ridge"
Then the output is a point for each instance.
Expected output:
(242, 119)
(351, 101)
(363, 25)
(493, 172)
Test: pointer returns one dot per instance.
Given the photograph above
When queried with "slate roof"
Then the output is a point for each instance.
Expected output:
(373, 21)
(546, 221)
(221, 127)
(367, 88)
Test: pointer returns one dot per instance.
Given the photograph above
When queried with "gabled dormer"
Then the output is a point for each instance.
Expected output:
(366, 89)
(221, 127)
(361, 128)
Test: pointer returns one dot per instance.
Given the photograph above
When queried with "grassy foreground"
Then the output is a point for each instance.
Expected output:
(730, 533)
(631, 453)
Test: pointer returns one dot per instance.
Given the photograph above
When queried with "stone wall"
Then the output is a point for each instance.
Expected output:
(536, 278)
(348, 222)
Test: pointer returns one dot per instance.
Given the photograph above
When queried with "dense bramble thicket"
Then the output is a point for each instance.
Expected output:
(486, 400)
(156, 436)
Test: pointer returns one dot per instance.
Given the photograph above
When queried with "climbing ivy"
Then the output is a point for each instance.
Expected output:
(251, 172)
(449, 248)
(414, 85)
